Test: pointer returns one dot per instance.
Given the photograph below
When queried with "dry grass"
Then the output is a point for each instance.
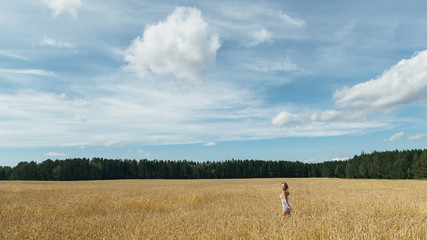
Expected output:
(213, 209)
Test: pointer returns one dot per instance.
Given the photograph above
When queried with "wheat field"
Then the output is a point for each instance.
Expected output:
(213, 209)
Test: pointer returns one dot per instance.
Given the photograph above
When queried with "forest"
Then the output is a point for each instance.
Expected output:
(405, 164)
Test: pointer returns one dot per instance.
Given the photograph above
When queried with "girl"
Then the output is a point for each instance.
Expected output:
(286, 207)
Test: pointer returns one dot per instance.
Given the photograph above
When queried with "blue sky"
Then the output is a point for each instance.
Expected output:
(304, 81)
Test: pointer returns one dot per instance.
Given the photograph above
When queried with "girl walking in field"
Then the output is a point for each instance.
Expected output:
(286, 207)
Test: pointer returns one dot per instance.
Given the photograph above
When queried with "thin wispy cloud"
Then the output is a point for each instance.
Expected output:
(113, 143)
(79, 118)
(38, 72)
(395, 137)
(417, 137)
(340, 158)
(12, 55)
(143, 153)
(55, 154)
(59, 7)
(47, 41)
(210, 144)
(258, 37)
(334, 115)
(284, 65)
(294, 22)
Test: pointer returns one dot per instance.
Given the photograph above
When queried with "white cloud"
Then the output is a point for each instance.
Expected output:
(210, 144)
(137, 112)
(113, 143)
(259, 36)
(168, 113)
(404, 83)
(258, 13)
(151, 116)
(239, 12)
(47, 41)
(285, 119)
(80, 103)
(293, 22)
(27, 115)
(180, 45)
(285, 66)
(38, 72)
(79, 118)
(333, 115)
(55, 154)
(325, 116)
(417, 137)
(12, 55)
(340, 159)
(62, 6)
(395, 137)
(143, 153)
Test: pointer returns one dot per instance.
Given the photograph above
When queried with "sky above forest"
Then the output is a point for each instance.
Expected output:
(307, 81)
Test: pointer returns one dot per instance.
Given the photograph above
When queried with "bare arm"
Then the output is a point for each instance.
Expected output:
(285, 199)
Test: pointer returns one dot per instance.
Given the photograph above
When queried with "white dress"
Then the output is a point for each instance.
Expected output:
(284, 207)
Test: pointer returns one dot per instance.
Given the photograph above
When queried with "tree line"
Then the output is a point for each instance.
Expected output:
(406, 164)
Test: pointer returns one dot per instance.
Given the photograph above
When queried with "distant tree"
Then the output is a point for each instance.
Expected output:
(47, 169)
(419, 166)
(340, 171)
(351, 170)
(142, 168)
(25, 171)
(95, 169)
(326, 171)
(388, 164)
(363, 170)
(3, 173)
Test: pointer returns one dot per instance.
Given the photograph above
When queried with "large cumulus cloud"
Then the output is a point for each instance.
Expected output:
(180, 45)
(403, 83)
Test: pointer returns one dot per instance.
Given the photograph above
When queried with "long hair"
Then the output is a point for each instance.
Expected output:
(286, 188)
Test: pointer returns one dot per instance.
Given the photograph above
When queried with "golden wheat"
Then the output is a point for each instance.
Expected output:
(213, 209)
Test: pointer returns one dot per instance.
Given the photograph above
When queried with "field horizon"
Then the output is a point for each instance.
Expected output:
(323, 208)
